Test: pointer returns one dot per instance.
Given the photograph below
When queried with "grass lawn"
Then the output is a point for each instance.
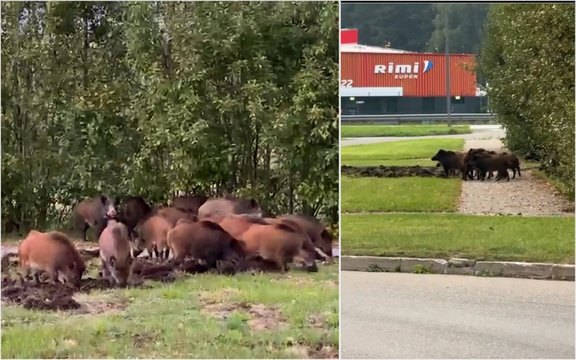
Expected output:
(200, 316)
(411, 194)
(513, 238)
(402, 130)
(400, 152)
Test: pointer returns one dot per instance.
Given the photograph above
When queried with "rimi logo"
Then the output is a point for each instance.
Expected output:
(403, 71)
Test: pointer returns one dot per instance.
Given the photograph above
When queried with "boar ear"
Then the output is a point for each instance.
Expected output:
(103, 199)
(253, 203)
(112, 260)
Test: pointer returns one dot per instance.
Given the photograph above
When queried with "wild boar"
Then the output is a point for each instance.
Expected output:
(52, 252)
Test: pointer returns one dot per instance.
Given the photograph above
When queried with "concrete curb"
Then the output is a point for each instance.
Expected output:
(545, 271)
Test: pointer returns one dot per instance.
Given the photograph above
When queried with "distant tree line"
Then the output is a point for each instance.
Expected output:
(417, 27)
(152, 98)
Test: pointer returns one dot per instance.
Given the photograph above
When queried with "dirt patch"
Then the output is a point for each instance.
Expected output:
(140, 340)
(321, 351)
(261, 317)
(317, 321)
(218, 296)
(47, 296)
(95, 306)
(317, 351)
(392, 171)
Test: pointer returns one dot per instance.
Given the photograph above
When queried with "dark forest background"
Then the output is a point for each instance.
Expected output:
(418, 27)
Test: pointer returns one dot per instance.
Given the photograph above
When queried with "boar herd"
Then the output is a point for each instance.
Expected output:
(212, 231)
(478, 164)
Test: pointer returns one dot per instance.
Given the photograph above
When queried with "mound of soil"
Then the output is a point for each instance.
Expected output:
(392, 171)
(48, 296)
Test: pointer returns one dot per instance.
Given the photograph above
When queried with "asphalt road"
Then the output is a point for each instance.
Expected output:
(398, 315)
(479, 132)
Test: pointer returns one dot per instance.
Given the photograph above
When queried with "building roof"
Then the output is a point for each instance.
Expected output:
(357, 48)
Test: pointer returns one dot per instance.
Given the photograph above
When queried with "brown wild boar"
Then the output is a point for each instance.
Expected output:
(236, 225)
(279, 244)
(226, 206)
(152, 236)
(115, 253)
(54, 253)
(93, 213)
(173, 215)
(319, 235)
(203, 240)
(309, 248)
(450, 160)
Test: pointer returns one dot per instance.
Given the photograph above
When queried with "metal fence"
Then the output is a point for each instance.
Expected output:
(417, 118)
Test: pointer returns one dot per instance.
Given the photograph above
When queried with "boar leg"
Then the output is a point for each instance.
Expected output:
(156, 252)
(106, 274)
(54, 275)
(322, 253)
(84, 231)
(282, 266)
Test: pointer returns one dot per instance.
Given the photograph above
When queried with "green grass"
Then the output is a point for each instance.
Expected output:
(508, 238)
(172, 320)
(403, 152)
(410, 194)
(402, 130)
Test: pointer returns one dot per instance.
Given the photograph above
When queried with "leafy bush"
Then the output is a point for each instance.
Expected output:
(156, 98)
(528, 61)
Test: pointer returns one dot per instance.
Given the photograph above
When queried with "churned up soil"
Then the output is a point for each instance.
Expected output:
(392, 171)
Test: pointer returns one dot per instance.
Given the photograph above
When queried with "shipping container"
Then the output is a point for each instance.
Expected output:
(349, 36)
(408, 74)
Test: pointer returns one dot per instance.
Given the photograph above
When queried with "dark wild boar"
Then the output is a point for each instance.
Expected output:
(93, 213)
(132, 210)
(488, 163)
(450, 160)
(115, 253)
(189, 203)
(54, 253)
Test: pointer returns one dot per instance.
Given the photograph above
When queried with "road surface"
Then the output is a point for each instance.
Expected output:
(398, 315)
(479, 132)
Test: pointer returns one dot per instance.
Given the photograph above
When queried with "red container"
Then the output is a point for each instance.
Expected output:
(418, 74)
(349, 36)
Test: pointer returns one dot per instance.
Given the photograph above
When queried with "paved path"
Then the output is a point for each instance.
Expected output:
(478, 132)
(397, 315)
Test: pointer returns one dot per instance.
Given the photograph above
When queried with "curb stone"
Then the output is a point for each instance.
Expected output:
(433, 266)
(459, 266)
(370, 263)
(514, 269)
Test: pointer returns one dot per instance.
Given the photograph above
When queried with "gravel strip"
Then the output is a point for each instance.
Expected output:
(526, 195)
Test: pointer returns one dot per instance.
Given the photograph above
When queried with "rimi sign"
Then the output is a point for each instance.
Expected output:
(407, 74)
(403, 71)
